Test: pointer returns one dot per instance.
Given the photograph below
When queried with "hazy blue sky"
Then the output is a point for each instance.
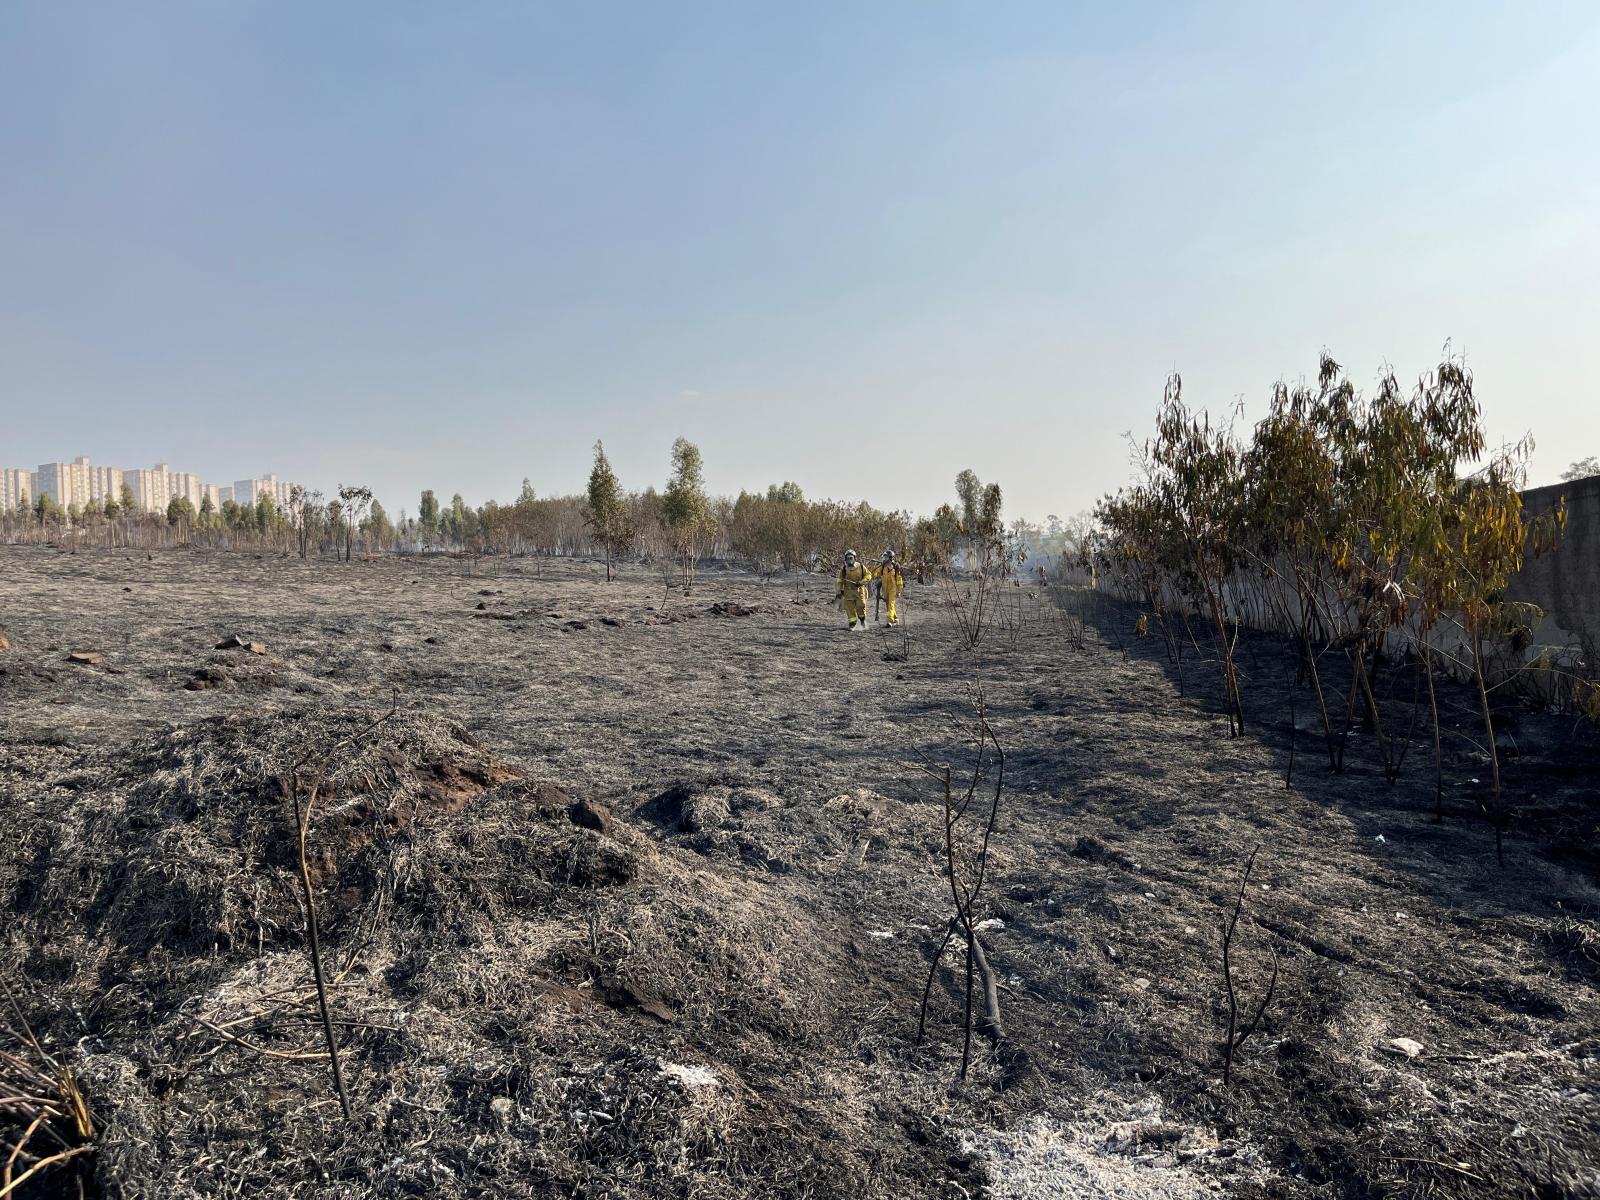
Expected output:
(857, 245)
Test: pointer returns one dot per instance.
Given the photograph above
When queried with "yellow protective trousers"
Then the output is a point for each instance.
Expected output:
(852, 584)
(890, 583)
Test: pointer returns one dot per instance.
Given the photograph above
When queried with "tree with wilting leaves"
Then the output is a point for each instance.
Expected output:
(969, 491)
(684, 506)
(1472, 548)
(353, 502)
(1197, 483)
(377, 527)
(266, 515)
(607, 516)
(1291, 512)
(428, 518)
(457, 522)
(308, 508)
(980, 523)
(180, 515)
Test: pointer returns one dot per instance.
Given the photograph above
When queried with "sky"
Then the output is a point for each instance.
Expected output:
(860, 246)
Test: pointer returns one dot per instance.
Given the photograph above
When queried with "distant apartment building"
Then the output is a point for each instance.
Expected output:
(78, 482)
(16, 489)
(156, 487)
(54, 480)
(187, 486)
(83, 484)
(249, 491)
(152, 487)
(94, 485)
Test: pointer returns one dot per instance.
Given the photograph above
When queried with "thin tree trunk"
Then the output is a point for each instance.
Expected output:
(1438, 751)
(1497, 812)
(301, 817)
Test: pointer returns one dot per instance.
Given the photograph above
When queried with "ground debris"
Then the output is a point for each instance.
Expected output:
(237, 641)
(1403, 1047)
(732, 608)
(1133, 1154)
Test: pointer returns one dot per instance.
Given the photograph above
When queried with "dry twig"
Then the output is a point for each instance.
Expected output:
(302, 820)
(966, 886)
(1236, 1039)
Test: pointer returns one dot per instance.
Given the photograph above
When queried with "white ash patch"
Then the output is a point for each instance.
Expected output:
(1140, 1156)
(692, 1077)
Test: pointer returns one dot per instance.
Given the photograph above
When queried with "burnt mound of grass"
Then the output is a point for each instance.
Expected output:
(535, 995)
(185, 840)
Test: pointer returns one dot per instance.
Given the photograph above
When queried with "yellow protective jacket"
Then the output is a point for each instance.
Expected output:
(890, 580)
(854, 579)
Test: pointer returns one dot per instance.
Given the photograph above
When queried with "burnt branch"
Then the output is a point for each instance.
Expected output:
(309, 786)
(968, 870)
(1236, 1036)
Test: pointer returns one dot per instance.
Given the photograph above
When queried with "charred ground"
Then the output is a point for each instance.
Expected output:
(635, 894)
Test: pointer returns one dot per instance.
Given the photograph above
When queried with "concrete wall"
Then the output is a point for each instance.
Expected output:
(1566, 584)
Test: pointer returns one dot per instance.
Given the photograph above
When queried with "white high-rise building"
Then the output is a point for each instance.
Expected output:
(152, 487)
(93, 484)
(81, 483)
(54, 480)
(158, 486)
(248, 491)
(78, 482)
(187, 486)
(16, 489)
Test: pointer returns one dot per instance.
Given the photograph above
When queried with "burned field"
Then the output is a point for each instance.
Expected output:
(623, 894)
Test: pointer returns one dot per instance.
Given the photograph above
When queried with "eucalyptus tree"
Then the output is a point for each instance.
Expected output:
(307, 507)
(1290, 514)
(353, 501)
(1196, 483)
(1139, 556)
(1473, 546)
(607, 515)
(684, 506)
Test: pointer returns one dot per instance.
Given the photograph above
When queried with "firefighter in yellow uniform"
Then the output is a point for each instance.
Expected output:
(851, 592)
(891, 582)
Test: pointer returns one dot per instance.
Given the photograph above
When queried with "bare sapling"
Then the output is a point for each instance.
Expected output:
(966, 846)
(1236, 1036)
(1070, 607)
(304, 788)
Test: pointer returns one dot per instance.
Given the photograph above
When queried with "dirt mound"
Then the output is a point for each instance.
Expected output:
(20, 678)
(725, 816)
(186, 840)
(254, 670)
(534, 995)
